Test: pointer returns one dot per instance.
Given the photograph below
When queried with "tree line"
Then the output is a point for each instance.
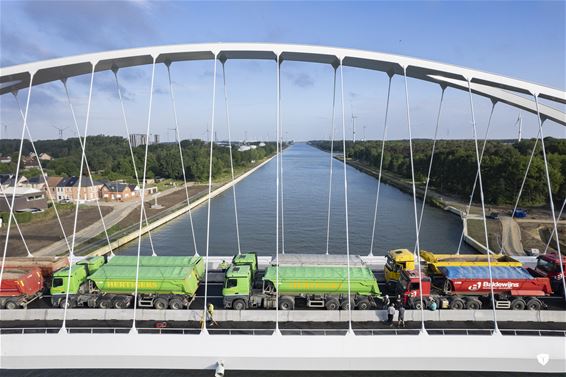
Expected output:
(454, 166)
(109, 157)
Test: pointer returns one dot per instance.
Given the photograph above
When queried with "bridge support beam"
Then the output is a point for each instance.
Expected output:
(246, 352)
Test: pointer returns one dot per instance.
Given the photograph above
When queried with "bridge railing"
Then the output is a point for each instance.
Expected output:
(297, 332)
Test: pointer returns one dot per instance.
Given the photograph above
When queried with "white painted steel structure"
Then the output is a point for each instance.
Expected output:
(288, 352)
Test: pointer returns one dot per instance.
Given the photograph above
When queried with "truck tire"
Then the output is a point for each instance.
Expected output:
(473, 304)
(11, 305)
(176, 304)
(534, 304)
(160, 303)
(457, 304)
(332, 304)
(363, 304)
(415, 303)
(238, 305)
(104, 303)
(518, 304)
(120, 303)
(286, 303)
(344, 304)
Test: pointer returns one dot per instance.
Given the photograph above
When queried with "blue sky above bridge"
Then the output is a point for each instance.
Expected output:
(525, 40)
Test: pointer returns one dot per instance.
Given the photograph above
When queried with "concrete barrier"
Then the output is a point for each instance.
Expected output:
(284, 316)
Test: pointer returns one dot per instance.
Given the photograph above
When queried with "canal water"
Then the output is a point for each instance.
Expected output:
(305, 184)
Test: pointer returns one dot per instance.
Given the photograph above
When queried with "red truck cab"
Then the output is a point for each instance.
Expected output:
(409, 287)
(548, 266)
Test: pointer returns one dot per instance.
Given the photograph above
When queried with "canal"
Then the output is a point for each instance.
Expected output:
(305, 198)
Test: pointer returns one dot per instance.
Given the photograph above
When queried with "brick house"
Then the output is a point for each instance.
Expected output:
(114, 191)
(68, 190)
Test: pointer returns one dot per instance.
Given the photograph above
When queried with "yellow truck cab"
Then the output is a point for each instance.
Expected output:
(396, 261)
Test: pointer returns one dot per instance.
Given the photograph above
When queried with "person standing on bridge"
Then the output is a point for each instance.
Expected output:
(210, 312)
(401, 317)
(390, 314)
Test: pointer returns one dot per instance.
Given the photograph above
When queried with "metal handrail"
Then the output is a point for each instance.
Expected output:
(269, 331)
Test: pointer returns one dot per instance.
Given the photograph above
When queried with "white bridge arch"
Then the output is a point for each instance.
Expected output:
(317, 352)
(496, 87)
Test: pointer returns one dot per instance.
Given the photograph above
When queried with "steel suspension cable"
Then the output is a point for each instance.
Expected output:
(469, 206)
(278, 176)
(115, 71)
(380, 165)
(15, 221)
(133, 330)
(178, 137)
(350, 330)
(552, 236)
(493, 307)
(228, 123)
(281, 166)
(539, 135)
(67, 303)
(433, 150)
(331, 158)
(43, 175)
(81, 142)
(204, 331)
(416, 252)
(16, 176)
(550, 199)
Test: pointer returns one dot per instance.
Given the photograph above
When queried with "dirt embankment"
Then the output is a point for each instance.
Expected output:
(40, 234)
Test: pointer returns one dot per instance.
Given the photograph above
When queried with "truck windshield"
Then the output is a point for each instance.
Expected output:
(57, 282)
(231, 283)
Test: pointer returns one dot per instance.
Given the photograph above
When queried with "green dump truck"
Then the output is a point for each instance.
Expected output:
(98, 285)
(318, 283)
(197, 262)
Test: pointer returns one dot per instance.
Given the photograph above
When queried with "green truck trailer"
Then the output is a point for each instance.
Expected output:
(319, 284)
(196, 261)
(97, 285)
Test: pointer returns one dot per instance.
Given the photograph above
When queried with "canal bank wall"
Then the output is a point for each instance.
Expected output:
(123, 240)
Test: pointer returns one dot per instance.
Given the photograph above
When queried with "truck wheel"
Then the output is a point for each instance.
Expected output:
(415, 303)
(120, 303)
(534, 304)
(104, 303)
(11, 305)
(363, 304)
(64, 303)
(344, 304)
(473, 304)
(332, 304)
(238, 305)
(160, 304)
(176, 304)
(518, 304)
(286, 303)
(457, 304)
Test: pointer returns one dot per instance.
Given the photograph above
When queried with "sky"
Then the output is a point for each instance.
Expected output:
(520, 39)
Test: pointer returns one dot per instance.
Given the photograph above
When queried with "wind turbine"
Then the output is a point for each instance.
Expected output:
(60, 131)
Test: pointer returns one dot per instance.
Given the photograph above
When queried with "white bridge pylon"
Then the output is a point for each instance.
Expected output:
(496, 87)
